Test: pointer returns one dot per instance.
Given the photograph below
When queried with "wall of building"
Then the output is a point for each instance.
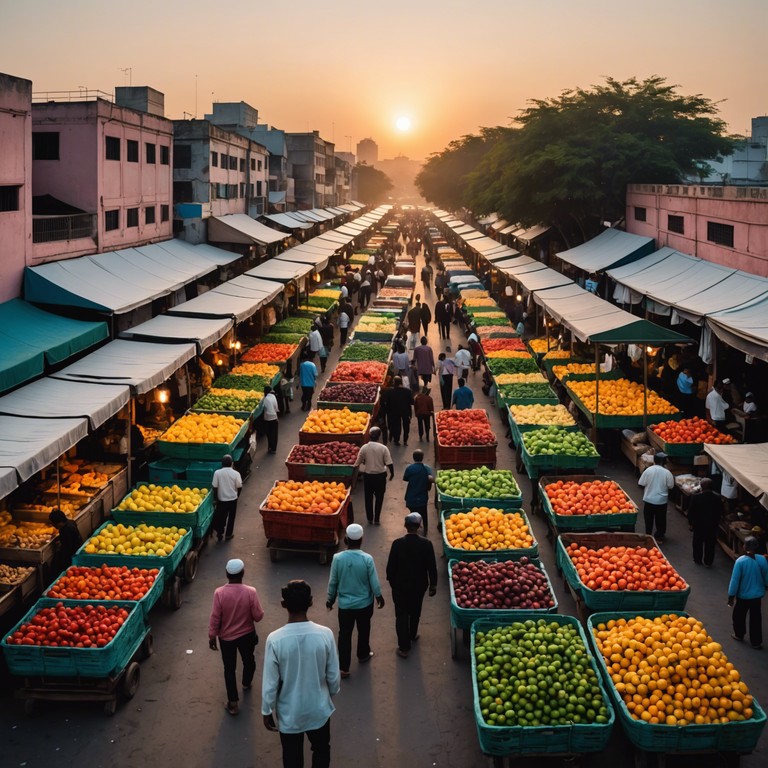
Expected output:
(743, 208)
(16, 172)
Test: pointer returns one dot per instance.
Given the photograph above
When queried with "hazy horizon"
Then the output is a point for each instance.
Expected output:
(351, 72)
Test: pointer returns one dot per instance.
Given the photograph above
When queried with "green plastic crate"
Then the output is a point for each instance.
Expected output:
(200, 473)
(462, 618)
(453, 553)
(202, 451)
(634, 421)
(167, 470)
(36, 660)
(517, 430)
(741, 737)
(465, 503)
(571, 739)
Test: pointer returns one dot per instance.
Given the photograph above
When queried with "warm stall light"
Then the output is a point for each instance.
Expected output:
(649, 350)
(519, 297)
(162, 395)
(238, 346)
(219, 361)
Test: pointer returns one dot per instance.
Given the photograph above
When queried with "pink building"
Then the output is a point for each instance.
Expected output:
(15, 181)
(102, 174)
(726, 225)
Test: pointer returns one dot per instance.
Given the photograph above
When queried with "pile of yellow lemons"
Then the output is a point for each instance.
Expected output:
(163, 498)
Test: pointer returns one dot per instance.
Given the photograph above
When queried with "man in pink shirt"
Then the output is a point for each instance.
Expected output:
(236, 607)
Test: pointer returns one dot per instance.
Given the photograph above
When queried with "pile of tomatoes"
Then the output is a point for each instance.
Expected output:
(103, 583)
(60, 626)
(464, 428)
(593, 497)
(694, 430)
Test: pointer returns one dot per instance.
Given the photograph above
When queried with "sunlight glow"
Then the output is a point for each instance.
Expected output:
(403, 123)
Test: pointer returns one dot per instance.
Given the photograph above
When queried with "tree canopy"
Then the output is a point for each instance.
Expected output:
(567, 160)
(372, 184)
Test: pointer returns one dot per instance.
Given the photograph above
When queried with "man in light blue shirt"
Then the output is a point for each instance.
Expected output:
(355, 582)
(307, 379)
(463, 397)
(747, 588)
(301, 675)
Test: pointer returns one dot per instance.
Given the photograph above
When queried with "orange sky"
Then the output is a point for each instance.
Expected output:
(350, 69)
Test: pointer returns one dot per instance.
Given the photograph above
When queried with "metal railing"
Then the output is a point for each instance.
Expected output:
(83, 94)
(48, 229)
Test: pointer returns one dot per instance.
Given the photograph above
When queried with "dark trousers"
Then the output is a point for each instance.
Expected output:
(323, 363)
(348, 618)
(425, 326)
(407, 614)
(270, 429)
(343, 336)
(306, 398)
(246, 647)
(740, 611)
(426, 378)
(319, 741)
(374, 486)
(225, 516)
(424, 422)
(655, 515)
(446, 390)
(704, 544)
(445, 329)
(423, 512)
(397, 425)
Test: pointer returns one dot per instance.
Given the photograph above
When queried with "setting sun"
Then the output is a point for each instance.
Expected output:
(403, 123)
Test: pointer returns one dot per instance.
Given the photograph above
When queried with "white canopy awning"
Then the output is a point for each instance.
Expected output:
(238, 298)
(283, 271)
(509, 229)
(289, 222)
(747, 464)
(470, 237)
(351, 229)
(241, 228)
(611, 248)
(8, 481)
(318, 260)
(464, 229)
(137, 364)
(333, 236)
(510, 265)
(532, 233)
(29, 445)
(744, 328)
(487, 245)
(489, 219)
(542, 279)
(56, 399)
(203, 331)
(501, 255)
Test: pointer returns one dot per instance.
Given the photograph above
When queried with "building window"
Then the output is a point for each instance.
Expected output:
(111, 220)
(232, 191)
(640, 214)
(151, 153)
(182, 190)
(250, 190)
(215, 159)
(676, 224)
(182, 156)
(112, 147)
(133, 217)
(242, 165)
(149, 214)
(132, 151)
(224, 161)
(165, 154)
(722, 234)
(214, 191)
(165, 212)
(259, 192)
(232, 163)
(242, 189)
(260, 166)
(253, 164)
(45, 145)
(9, 198)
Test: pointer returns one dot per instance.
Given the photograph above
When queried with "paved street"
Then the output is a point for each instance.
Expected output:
(392, 712)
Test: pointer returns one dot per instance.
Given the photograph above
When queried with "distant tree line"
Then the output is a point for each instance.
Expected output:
(566, 161)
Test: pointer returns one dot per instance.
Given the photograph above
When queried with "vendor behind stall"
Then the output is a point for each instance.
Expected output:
(70, 539)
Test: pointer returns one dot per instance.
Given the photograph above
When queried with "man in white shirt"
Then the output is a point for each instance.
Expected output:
(463, 361)
(716, 406)
(657, 481)
(375, 459)
(227, 484)
(344, 291)
(269, 417)
(315, 343)
(301, 676)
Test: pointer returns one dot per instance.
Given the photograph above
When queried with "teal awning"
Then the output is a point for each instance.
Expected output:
(640, 332)
(32, 339)
(611, 248)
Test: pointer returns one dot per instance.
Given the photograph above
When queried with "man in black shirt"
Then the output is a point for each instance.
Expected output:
(704, 519)
(70, 539)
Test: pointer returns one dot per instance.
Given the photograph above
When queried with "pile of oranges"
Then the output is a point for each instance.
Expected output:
(337, 421)
(688, 431)
(593, 497)
(483, 528)
(312, 497)
(619, 397)
(668, 670)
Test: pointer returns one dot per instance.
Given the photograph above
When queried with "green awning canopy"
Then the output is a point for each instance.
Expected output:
(640, 332)
(32, 339)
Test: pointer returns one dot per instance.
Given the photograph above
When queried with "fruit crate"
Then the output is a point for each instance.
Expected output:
(146, 603)
(304, 527)
(503, 402)
(631, 421)
(165, 471)
(570, 739)
(567, 523)
(26, 586)
(201, 451)
(462, 618)
(618, 600)
(39, 556)
(549, 364)
(367, 407)
(170, 562)
(517, 430)
(464, 456)
(41, 660)
(674, 450)
(740, 737)
(465, 503)
(590, 376)
(454, 553)
(383, 336)
(193, 520)
(534, 465)
(300, 471)
(237, 414)
(315, 438)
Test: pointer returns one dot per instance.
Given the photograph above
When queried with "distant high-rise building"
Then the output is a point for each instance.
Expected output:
(367, 152)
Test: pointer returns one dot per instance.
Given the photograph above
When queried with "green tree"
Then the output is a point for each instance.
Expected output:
(443, 178)
(372, 184)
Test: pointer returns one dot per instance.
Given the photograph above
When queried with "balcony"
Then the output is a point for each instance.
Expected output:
(49, 229)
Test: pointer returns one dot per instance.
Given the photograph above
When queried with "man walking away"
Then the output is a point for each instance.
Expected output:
(326, 334)
(463, 397)
(374, 460)
(301, 676)
(413, 321)
(355, 582)
(426, 276)
(315, 342)
(657, 481)
(424, 408)
(426, 317)
(446, 368)
(463, 360)
(704, 520)
(307, 378)
(344, 319)
(269, 416)
(399, 402)
(419, 478)
(440, 317)
(227, 484)
(747, 588)
(236, 607)
(425, 360)
(411, 569)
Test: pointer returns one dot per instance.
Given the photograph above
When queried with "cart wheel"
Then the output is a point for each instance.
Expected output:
(190, 566)
(175, 595)
(110, 707)
(29, 706)
(454, 644)
(273, 554)
(147, 646)
(131, 680)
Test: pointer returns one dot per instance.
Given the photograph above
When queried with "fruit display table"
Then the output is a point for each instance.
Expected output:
(366, 351)
(460, 542)
(464, 439)
(188, 438)
(555, 448)
(685, 439)
(465, 489)
(697, 733)
(359, 373)
(325, 425)
(323, 462)
(537, 416)
(525, 394)
(239, 403)
(500, 733)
